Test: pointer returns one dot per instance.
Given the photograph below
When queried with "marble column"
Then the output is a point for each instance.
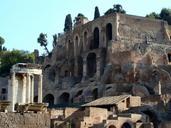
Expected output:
(28, 88)
(40, 89)
(11, 92)
(24, 90)
(32, 89)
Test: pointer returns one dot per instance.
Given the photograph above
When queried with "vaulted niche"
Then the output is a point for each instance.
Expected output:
(64, 98)
(49, 98)
(80, 66)
(108, 32)
(91, 64)
(126, 125)
(95, 42)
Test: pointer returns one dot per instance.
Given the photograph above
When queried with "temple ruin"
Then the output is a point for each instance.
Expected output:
(21, 85)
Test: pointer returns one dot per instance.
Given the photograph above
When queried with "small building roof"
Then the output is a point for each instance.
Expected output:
(111, 100)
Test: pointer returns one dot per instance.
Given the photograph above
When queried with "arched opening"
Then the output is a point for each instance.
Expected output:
(49, 98)
(95, 94)
(95, 43)
(153, 117)
(78, 97)
(91, 64)
(80, 67)
(126, 125)
(70, 49)
(85, 40)
(79, 93)
(111, 126)
(64, 98)
(36, 99)
(108, 32)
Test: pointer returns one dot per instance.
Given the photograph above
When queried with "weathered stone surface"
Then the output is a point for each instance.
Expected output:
(26, 120)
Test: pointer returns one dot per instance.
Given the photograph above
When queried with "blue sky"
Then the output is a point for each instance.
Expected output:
(21, 21)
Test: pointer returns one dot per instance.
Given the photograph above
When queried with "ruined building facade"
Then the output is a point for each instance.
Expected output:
(112, 55)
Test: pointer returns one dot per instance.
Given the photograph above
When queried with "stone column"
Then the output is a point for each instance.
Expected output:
(98, 67)
(11, 92)
(24, 90)
(28, 88)
(40, 89)
(84, 68)
(32, 89)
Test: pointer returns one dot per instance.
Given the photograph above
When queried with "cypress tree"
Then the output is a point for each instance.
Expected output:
(68, 23)
(96, 13)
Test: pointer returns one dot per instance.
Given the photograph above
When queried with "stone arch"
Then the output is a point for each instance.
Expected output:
(49, 98)
(85, 39)
(95, 93)
(108, 32)
(64, 98)
(91, 64)
(79, 93)
(112, 126)
(95, 43)
(126, 125)
(153, 117)
(78, 97)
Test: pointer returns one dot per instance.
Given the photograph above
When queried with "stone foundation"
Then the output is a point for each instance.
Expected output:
(27, 120)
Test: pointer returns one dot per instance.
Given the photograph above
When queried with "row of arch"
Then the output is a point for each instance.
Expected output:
(89, 44)
(66, 98)
(91, 65)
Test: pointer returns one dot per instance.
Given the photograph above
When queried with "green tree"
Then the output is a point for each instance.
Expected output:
(2, 41)
(79, 17)
(42, 40)
(153, 15)
(96, 13)
(165, 14)
(117, 8)
(68, 23)
(9, 58)
(55, 37)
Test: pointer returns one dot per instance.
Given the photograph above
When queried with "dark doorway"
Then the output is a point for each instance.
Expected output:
(95, 43)
(169, 57)
(108, 32)
(153, 117)
(36, 99)
(64, 98)
(49, 98)
(95, 94)
(80, 67)
(126, 125)
(91, 64)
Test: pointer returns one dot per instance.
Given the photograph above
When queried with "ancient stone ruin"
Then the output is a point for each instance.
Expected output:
(113, 55)
(112, 72)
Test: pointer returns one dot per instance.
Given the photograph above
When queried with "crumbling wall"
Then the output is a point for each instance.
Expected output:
(27, 120)
(130, 28)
